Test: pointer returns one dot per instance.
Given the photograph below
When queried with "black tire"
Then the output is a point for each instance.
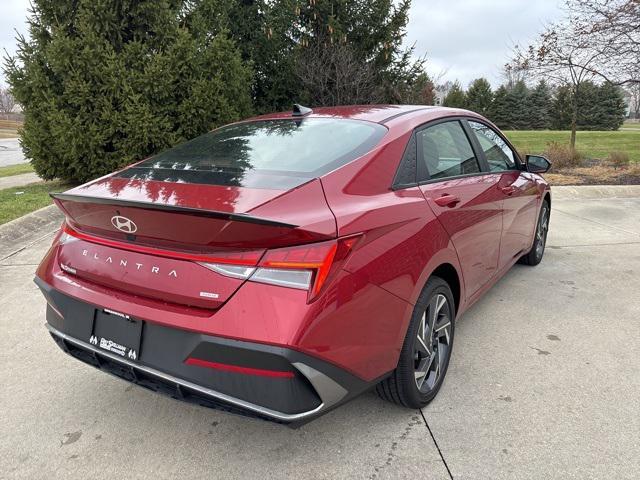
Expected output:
(534, 256)
(404, 387)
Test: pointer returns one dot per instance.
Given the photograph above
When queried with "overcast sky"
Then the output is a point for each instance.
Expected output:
(464, 38)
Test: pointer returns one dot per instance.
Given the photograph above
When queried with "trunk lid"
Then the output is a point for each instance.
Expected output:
(148, 237)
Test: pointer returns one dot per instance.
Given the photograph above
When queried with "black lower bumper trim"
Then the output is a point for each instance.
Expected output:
(163, 383)
(315, 387)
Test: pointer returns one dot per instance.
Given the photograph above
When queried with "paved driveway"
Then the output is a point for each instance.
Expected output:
(544, 383)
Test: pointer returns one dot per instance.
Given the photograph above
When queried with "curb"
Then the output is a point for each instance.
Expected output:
(592, 192)
(18, 234)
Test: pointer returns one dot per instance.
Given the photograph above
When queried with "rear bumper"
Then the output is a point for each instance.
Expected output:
(304, 388)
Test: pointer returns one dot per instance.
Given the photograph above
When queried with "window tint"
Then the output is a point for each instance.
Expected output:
(499, 156)
(260, 153)
(446, 152)
(407, 171)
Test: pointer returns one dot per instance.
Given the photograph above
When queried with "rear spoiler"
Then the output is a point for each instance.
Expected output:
(240, 217)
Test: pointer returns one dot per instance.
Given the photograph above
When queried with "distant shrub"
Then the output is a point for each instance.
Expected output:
(563, 156)
(619, 159)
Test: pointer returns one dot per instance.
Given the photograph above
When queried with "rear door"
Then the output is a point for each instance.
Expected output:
(515, 187)
(463, 197)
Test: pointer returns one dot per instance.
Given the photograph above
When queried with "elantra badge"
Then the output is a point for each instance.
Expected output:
(124, 224)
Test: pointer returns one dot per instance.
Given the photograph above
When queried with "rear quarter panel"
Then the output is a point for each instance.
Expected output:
(402, 242)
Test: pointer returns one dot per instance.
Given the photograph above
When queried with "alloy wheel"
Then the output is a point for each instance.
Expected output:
(432, 344)
(541, 232)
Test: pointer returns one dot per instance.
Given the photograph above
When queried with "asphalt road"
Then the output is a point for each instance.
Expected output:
(544, 383)
(10, 152)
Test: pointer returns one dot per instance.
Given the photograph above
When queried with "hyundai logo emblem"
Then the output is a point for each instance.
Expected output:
(124, 224)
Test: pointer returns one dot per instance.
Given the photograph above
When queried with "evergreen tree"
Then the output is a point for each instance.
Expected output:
(561, 109)
(612, 107)
(105, 83)
(589, 110)
(599, 107)
(517, 103)
(500, 113)
(422, 92)
(277, 35)
(539, 107)
(480, 96)
(456, 97)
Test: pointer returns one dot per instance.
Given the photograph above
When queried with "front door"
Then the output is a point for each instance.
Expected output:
(517, 189)
(463, 197)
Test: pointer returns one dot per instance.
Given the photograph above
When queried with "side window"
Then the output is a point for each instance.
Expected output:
(406, 174)
(445, 151)
(499, 156)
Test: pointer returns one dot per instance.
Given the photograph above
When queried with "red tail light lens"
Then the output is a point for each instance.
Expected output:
(319, 260)
(305, 267)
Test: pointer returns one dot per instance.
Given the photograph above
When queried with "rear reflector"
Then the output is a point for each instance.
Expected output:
(237, 369)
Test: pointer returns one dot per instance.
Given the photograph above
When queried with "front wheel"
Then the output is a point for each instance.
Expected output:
(426, 350)
(534, 257)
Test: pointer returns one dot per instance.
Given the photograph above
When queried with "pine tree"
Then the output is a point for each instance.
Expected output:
(589, 110)
(105, 83)
(612, 107)
(500, 113)
(276, 36)
(480, 96)
(561, 109)
(539, 107)
(599, 107)
(456, 97)
(517, 103)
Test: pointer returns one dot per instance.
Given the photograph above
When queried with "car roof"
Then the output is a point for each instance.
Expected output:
(373, 113)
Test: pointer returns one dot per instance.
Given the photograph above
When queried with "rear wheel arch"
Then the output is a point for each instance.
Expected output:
(449, 274)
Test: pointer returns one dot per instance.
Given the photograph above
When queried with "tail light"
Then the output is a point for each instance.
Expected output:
(305, 267)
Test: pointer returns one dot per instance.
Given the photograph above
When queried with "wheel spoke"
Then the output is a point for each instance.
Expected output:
(436, 373)
(422, 347)
(443, 330)
(440, 302)
(421, 372)
(433, 336)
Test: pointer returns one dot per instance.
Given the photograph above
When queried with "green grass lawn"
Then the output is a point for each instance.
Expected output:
(592, 144)
(12, 170)
(34, 196)
(628, 125)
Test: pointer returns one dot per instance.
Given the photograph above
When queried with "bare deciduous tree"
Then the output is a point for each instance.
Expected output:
(513, 73)
(612, 28)
(7, 102)
(634, 92)
(599, 39)
(332, 75)
(563, 59)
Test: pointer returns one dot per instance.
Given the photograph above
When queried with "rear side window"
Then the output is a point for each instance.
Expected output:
(446, 152)
(248, 154)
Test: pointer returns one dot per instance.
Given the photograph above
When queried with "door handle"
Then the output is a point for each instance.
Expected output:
(508, 190)
(447, 200)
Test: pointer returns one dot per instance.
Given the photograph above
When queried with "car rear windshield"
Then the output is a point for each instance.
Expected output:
(266, 154)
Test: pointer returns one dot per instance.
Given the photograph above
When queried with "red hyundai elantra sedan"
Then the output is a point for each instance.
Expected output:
(279, 266)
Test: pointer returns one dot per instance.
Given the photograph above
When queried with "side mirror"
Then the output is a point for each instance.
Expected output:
(537, 164)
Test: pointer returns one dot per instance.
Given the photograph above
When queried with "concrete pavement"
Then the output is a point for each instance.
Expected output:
(19, 180)
(10, 152)
(544, 383)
